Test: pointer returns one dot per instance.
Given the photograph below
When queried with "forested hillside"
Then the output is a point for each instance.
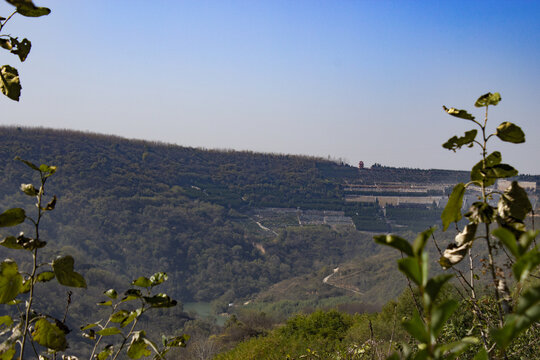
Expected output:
(124, 202)
(138, 207)
(272, 231)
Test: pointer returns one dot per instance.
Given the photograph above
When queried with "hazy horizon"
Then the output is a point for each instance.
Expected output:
(352, 80)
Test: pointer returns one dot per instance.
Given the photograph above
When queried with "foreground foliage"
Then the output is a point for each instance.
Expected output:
(45, 332)
(10, 84)
(493, 322)
(498, 327)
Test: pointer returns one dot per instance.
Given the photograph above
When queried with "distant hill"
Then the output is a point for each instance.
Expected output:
(128, 208)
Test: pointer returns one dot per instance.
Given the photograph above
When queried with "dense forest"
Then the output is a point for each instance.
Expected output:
(191, 210)
(127, 208)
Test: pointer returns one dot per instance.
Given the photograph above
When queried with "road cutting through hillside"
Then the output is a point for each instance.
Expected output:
(325, 281)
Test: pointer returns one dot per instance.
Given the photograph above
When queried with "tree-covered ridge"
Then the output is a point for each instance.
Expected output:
(129, 168)
(192, 211)
(124, 202)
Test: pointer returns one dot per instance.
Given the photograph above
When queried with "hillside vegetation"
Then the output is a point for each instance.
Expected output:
(192, 212)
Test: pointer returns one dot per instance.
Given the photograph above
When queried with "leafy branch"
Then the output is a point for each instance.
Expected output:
(140, 344)
(47, 331)
(10, 84)
(511, 318)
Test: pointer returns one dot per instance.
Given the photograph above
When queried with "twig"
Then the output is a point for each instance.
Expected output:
(420, 312)
(393, 330)
(69, 293)
(5, 21)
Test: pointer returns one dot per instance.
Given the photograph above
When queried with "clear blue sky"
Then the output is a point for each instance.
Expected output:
(358, 80)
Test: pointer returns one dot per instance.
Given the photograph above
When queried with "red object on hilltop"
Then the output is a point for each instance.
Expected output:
(361, 165)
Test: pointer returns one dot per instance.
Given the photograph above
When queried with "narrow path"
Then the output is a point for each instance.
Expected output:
(325, 280)
(344, 287)
(265, 228)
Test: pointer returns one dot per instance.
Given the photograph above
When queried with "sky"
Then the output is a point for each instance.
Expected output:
(350, 80)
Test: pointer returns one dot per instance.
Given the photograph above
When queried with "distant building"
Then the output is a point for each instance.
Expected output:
(361, 165)
(527, 185)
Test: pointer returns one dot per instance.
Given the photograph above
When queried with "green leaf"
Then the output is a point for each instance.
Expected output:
(132, 316)
(27, 8)
(515, 324)
(478, 170)
(462, 114)
(411, 268)
(510, 132)
(441, 314)
(11, 243)
(12, 217)
(488, 99)
(526, 239)
(21, 49)
(480, 212)
(434, 285)
(8, 351)
(49, 170)
(517, 227)
(10, 281)
(119, 316)
(111, 293)
(481, 355)
(452, 210)
(45, 276)
(105, 303)
(89, 326)
(455, 142)
(138, 347)
(10, 83)
(158, 278)
(109, 331)
(514, 203)
(529, 300)
(132, 294)
(395, 242)
(499, 171)
(493, 159)
(63, 269)
(416, 328)
(504, 336)
(420, 241)
(6, 321)
(106, 352)
(456, 348)
(151, 344)
(490, 174)
(142, 282)
(508, 239)
(49, 335)
(525, 264)
(160, 301)
(26, 285)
